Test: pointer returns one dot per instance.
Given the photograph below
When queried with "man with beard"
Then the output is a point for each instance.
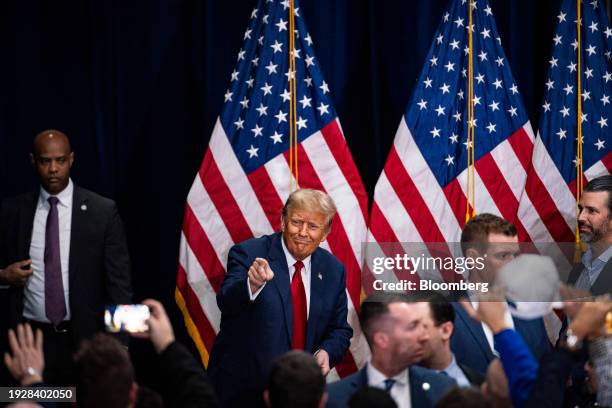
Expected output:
(394, 327)
(594, 273)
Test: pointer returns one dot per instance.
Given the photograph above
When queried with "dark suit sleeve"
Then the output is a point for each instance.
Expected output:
(186, 383)
(339, 332)
(549, 387)
(234, 294)
(117, 261)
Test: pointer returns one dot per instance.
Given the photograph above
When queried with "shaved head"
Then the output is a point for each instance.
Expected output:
(50, 135)
(52, 157)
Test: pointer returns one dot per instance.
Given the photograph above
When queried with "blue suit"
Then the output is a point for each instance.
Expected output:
(471, 347)
(340, 392)
(254, 333)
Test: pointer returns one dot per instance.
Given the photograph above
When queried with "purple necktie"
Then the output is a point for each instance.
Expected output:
(55, 306)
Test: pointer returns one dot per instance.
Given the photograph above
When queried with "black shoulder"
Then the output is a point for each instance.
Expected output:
(84, 196)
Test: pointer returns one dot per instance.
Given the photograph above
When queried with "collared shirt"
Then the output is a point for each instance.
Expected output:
(34, 290)
(487, 332)
(400, 392)
(453, 370)
(592, 267)
(290, 264)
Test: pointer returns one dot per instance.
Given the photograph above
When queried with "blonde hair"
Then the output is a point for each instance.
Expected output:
(308, 199)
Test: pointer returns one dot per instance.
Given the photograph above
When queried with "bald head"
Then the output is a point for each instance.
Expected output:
(52, 156)
(49, 136)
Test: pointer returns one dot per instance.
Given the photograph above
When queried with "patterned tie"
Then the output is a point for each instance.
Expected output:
(55, 306)
(298, 297)
(389, 383)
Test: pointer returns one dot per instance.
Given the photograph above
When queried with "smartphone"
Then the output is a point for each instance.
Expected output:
(127, 318)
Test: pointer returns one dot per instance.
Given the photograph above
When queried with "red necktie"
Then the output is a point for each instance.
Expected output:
(298, 296)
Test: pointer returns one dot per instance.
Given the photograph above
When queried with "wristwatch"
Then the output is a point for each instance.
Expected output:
(30, 372)
(572, 342)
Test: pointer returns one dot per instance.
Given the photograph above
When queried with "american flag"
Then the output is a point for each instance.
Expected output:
(244, 178)
(421, 193)
(548, 209)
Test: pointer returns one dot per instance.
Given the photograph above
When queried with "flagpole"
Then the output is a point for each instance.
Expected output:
(470, 188)
(293, 138)
(579, 169)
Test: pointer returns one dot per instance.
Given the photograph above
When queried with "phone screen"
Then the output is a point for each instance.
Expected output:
(128, 318)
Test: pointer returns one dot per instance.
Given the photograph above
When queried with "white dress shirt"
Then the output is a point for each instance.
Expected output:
(488, 333)
(290, 264)
(400, 392)
(34, 290)
(453, 370)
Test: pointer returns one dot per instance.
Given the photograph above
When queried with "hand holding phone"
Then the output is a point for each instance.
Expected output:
(127, 318)
(160, 330)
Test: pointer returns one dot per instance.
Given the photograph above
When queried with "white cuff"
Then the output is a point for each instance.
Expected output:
(253, 296)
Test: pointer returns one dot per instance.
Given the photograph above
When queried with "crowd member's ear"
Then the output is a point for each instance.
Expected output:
(447, 330)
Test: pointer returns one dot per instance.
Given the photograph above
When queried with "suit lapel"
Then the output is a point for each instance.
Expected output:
(361, 379)
(278, 264)
(79, 214)
(476, 331)
(417, 395)
(26, 224)
(603, 283)
(575, 273)
(316, 293)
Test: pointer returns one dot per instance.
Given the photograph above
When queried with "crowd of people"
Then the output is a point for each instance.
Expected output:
(283, 303)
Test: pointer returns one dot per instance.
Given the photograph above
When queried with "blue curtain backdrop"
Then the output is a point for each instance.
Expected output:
(137, 85)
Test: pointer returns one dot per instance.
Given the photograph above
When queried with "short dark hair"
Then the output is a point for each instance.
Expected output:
(295, 381)
(371, 397)
(601, 183)
(376, 306)
(477, 230)
(441, 309)
(104, 373)
(464, 397)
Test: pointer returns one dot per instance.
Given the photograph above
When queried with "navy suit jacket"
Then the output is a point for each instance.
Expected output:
(254, 333)
(470, 345)
(340, 392)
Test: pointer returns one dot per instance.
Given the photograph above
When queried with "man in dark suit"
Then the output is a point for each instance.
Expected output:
(63, 257)
(494, 241)
(393, 324)
(438, 355)
(594, 273)
(280, 292)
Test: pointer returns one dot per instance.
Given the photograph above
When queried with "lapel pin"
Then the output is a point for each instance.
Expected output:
(83, 207)
(426, 386)
(320, 276)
